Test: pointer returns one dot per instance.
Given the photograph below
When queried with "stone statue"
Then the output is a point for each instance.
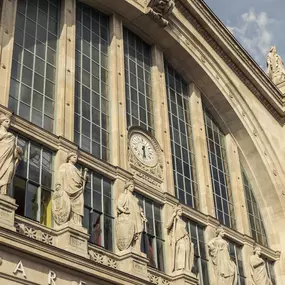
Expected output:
(180, 242)
(130, 220)
(160, 10)
(224, 268)
(10, 154)
(258, 269)
(68, 201)
(275, 66)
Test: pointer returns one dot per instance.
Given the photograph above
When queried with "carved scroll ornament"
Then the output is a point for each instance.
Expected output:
(160, 10)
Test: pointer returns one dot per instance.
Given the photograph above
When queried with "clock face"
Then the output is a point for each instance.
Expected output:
(143, 149)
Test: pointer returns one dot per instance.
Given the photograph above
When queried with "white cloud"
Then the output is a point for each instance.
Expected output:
(254, 34)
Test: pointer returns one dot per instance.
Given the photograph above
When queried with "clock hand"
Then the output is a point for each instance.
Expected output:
(143, 149)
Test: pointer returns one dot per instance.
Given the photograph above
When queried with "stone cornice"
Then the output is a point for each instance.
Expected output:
(227, 47)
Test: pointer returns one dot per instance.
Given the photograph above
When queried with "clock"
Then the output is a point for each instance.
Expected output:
(143, 149)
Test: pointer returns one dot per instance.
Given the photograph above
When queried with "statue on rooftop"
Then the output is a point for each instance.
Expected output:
(160, 10)
(275, 66)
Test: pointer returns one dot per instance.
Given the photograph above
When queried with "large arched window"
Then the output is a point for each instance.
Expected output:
(181, 138)
(33, 75)
(255, 218)
(91, 117)
(219, 172)
(139, 102)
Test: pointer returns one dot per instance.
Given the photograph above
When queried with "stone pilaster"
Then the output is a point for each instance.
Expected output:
(119, 133)
(184, 278)
(66, 71)
(7, 27)
(7, 212)
(133, 263)
(167, 212)
(237, 188)
(209, 234)
(161, 120)
(206, 200)
(72, 238)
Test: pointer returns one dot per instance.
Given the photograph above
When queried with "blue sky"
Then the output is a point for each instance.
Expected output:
(257, 24)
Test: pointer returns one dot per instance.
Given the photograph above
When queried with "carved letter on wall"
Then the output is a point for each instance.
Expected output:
(51, 278)
(20, 268)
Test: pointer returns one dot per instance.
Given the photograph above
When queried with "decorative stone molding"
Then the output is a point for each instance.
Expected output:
(102, 259)
(147, 167)
(157, 280)
(160, 10)
(220, 51)
(34, 233)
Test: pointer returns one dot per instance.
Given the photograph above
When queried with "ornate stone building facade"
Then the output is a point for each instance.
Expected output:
(139, 143)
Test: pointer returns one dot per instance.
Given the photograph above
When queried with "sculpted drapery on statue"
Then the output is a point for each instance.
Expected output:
(225, 269)
(180, 242)
(258, 269)
(10, 154)
(275, 66)
(130, 220)
(68, 201)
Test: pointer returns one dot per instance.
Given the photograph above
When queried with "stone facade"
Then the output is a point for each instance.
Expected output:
(245, 103)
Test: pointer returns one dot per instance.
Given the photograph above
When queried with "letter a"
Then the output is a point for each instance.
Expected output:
(20, 268)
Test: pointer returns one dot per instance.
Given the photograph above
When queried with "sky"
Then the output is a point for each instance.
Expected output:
(256, 24)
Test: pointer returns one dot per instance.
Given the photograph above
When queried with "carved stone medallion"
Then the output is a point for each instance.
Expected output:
(60, 207)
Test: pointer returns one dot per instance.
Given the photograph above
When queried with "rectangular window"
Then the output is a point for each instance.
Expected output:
(270, 271)
(236, 256)
(182, 148)
(200, 257)
(152, 240)
(33, 75)
(98, 210)
(91, 119)
(254, 215)
(219, 171)
(33, 182)
(138, 81)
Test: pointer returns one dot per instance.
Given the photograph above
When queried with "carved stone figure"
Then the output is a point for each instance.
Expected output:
(160, 10)
(275, 66)
(258, 270)
(180, 242)
(68, 201)
(224, 268)
(130, 220)
(10, 154)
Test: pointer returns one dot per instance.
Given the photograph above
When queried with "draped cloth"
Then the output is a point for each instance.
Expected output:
(258, 271)
(7, 160)
(129, 202)
(225, 269)
(183, 248)
(71, 182)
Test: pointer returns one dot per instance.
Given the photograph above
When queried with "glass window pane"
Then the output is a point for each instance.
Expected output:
(90, 76)
(181, 138)
(30, 64)
(135, 68)
(99, 216)
(219, 172)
